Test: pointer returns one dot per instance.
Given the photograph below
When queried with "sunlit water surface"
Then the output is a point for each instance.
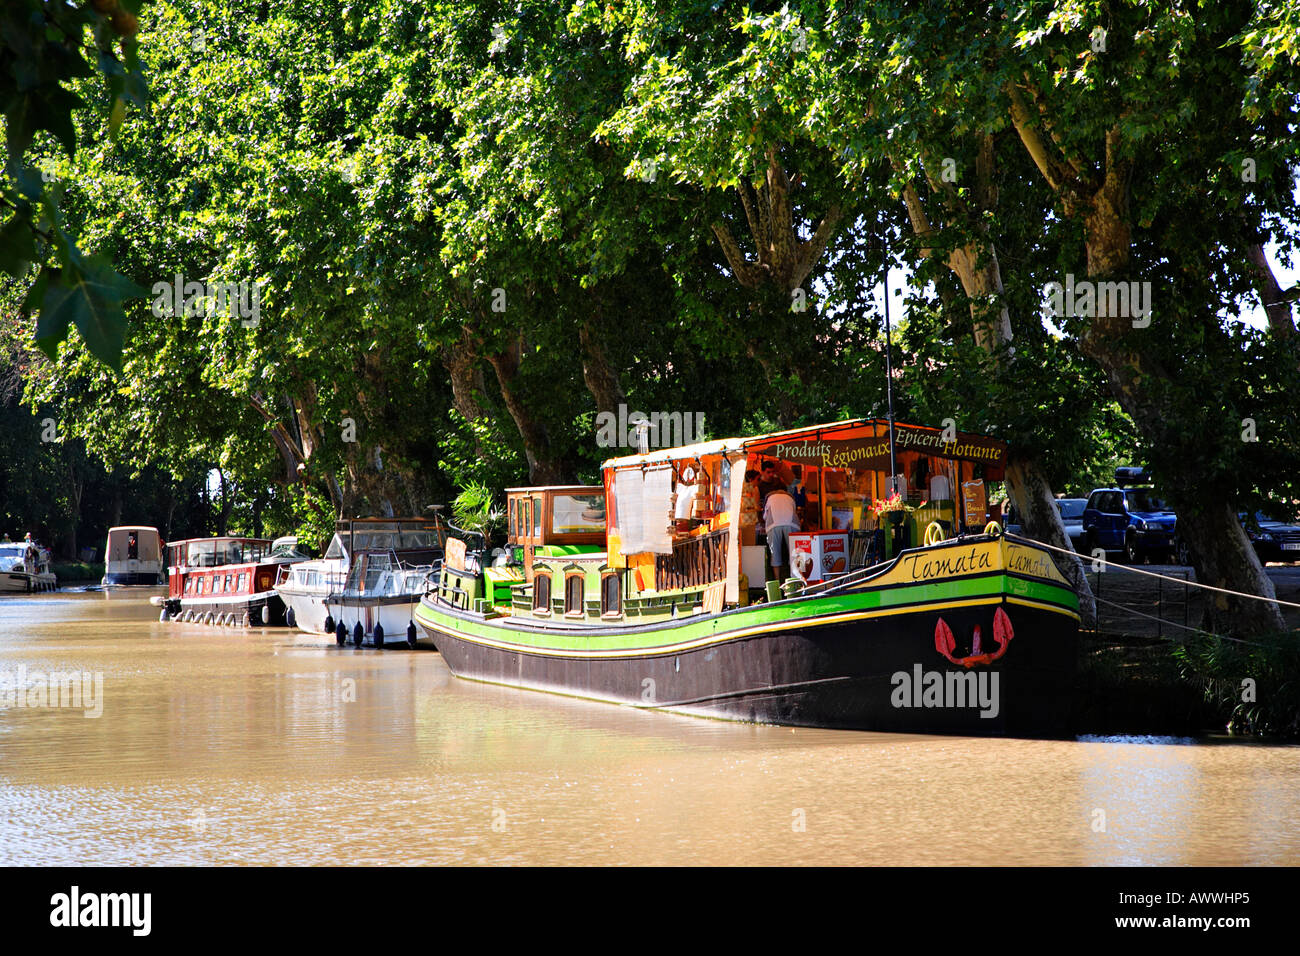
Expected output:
(219, 745)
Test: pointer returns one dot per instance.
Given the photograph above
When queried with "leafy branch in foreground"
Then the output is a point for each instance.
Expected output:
(43, 53)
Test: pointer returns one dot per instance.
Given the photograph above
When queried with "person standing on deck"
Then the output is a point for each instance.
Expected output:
(780, 518)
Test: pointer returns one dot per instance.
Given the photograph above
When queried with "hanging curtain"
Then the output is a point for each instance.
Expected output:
(642, 501)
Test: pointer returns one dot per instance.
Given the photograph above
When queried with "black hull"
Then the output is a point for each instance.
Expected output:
(133, 579)
(839, 675)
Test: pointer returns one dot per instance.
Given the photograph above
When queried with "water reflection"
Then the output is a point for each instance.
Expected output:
(225, 746)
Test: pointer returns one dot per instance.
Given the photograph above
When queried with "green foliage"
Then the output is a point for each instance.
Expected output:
(474, 510)
(1253, 685)
(44, 72)
(527, 194)
(314, 517)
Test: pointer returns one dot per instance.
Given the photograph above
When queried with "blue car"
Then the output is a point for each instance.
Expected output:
(1133, 522)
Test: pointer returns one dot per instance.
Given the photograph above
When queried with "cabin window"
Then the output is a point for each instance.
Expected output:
(229, 580)
(189, 585)
(510, 517)
(573, 588)
(243, 581)
(542, 591)
(577, 514)
(537, 518)
(611, 595)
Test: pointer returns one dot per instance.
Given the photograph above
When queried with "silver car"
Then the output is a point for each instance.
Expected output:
(1072, 517)
(1071, 510)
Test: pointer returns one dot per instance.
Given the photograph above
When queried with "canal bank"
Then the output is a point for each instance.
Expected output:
(1149, 669)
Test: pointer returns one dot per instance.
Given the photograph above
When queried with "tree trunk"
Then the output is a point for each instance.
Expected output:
(1221, 553)
(597, 370)
(461, 361)
(981, 280)
(1100, 202)
(1277, 305)
(1042, 522)
(543, 467)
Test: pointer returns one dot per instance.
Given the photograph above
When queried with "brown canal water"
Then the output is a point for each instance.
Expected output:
(225, 746)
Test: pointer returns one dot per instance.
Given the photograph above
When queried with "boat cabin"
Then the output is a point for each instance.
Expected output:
(193, 565)
(681, 530)
(693, 517)
(414, 540)
(133, 556)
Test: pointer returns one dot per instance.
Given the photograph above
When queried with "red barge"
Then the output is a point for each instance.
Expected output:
(226, 580)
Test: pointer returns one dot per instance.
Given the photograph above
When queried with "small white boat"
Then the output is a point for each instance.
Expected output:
(133, 558)
(379, 596)
(25, 568)
(373, 572)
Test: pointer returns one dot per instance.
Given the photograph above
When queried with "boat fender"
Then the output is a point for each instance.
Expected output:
(209, 618)
(247, 621)
(329, 623)
(341, 634)
(264, 615)
(410, 635)
(379, 635)
(163, 616)
(358, 634)
(290, 618)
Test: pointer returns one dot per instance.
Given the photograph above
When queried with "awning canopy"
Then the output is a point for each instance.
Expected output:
(861, 443)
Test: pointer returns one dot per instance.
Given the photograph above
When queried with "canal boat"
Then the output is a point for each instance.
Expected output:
(649, 590)
(25, 568)
(226, 581)
(133, 559)
(372, 575)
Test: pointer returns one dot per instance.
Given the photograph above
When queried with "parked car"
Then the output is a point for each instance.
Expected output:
(1274, 540)
(1071, 510)
(1132, 521)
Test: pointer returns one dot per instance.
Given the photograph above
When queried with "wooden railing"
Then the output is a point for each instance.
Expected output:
(695, 562)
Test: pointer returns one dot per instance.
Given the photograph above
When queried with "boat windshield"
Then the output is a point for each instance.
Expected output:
(12, 551)
(383, 537)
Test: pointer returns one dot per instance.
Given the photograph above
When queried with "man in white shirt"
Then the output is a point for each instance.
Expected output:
(780, 518)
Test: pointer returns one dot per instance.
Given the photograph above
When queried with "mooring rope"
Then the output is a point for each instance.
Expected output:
(1151, 574)
(1169, 623)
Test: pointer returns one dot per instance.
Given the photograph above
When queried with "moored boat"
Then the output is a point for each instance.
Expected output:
(25, 568)
(373, 574)
(226, 580)
(133, 558)
(927, 620)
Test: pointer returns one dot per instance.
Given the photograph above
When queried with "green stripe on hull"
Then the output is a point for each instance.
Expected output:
(660, 637)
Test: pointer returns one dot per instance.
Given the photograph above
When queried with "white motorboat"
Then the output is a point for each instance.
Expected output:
(25, 568)
(373, 572)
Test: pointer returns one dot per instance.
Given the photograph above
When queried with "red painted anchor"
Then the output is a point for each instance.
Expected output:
(945, 643)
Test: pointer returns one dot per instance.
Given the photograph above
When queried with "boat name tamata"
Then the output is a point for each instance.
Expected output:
(948, 689)
(923, 567)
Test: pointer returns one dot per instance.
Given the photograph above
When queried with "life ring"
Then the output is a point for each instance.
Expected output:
(934, 534)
